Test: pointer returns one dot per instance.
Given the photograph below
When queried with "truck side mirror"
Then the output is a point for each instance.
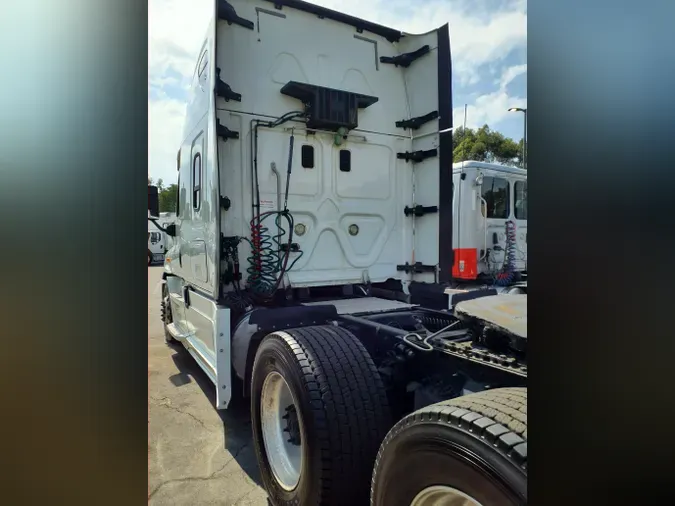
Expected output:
(153, 200)
(171, 230)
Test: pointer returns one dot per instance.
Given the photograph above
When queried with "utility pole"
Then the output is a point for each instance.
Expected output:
(524, 111)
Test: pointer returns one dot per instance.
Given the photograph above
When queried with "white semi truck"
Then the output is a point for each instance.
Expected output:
(322, 263)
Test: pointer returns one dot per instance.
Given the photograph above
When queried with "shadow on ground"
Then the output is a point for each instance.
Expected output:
(236, 420)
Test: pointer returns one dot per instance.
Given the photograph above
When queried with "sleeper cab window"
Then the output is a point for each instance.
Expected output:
(197, 181)
(202, 63)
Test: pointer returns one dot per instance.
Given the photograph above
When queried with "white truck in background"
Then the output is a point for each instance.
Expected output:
(323, 262)
(157, 246)
(158, 241)
(490, 227)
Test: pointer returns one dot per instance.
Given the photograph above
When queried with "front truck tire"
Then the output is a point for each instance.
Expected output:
(468, 451)
(317, 388)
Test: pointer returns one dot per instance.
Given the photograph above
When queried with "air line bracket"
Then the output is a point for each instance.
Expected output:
(224, 90)
(415, 123)
(225, 133)
(417, 156)
(405, 59)
(227, 13)
(420, 210)
(417, 267)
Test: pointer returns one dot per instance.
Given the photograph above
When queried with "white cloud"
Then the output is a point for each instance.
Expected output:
(492, 108)
(511, 73)
(165, 125)
(176, 30)
(478, 37)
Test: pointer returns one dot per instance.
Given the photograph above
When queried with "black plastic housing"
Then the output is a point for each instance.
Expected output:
(328, 108)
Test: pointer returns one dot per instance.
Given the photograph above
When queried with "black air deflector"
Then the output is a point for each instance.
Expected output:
(328, 108)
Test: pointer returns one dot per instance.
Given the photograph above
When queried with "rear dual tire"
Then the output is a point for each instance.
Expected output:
(319, 388)
(469, 451)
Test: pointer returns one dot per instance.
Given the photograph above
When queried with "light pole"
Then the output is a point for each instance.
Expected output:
(524, 111)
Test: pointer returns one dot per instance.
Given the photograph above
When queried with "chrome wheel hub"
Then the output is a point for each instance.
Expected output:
(281, 430)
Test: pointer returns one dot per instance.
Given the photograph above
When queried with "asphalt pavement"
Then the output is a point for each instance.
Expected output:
(197, 455)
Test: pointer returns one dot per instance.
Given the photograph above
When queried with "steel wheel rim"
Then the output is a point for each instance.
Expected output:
(285, 457)
(440, 495)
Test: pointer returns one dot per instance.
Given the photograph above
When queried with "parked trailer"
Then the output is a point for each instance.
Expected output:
(314, 245)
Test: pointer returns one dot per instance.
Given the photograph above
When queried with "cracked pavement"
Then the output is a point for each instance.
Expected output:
(196, 454)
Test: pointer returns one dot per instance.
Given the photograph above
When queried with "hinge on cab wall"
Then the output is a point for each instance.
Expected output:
(223, 89)
(420, 210)
(405, 59)
(415, 123)
(225, 133)
(417, 156)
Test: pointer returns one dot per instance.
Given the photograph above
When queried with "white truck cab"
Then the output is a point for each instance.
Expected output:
(490, 223)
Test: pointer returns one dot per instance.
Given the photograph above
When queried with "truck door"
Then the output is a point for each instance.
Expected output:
(496, 197)
(183, 215)
(195, 247)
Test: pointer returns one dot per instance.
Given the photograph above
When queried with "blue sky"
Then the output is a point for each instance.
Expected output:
(488, 42)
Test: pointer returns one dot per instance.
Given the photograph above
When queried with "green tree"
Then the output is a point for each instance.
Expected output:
(485, 145)
(167, 198)
(167, 195)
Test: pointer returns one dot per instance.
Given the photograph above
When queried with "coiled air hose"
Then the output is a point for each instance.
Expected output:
(505, 276)
(268, 261)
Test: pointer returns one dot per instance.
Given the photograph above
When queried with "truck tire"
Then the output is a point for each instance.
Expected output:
(149, 259)
(318, 387)
(469, 451)
(167, 316)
